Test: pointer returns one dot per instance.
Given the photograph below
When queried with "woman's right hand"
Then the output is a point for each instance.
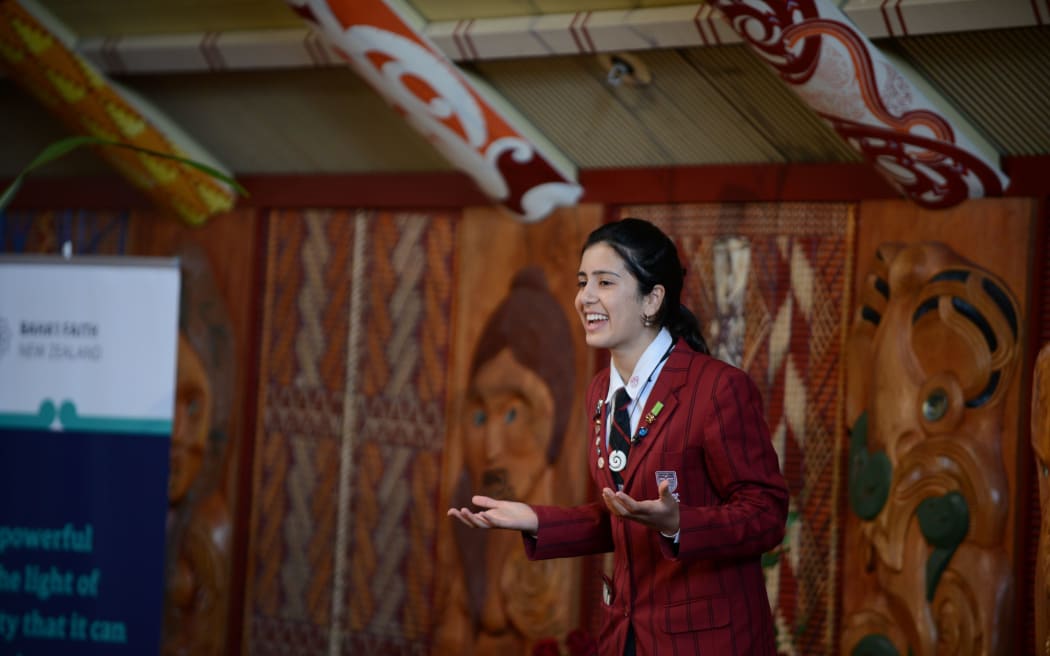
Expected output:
(497, 514)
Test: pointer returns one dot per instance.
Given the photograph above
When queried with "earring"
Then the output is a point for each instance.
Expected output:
(648, 320)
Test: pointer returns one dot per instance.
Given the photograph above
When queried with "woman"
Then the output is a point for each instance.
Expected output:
(690, 486)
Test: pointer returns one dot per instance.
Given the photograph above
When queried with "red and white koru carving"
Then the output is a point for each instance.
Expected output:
(438, 101)
(866, 99)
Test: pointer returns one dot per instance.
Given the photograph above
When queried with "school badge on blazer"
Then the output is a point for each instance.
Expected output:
(672, 480)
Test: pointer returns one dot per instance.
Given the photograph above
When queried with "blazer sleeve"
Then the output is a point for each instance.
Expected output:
(565, 532)
(745, 473)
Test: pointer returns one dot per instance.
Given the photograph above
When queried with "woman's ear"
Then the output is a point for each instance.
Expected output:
(654, 300)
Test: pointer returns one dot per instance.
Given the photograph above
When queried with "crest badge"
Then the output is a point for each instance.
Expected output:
(672, 480)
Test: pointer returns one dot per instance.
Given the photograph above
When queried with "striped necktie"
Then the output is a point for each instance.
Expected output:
(620, 436)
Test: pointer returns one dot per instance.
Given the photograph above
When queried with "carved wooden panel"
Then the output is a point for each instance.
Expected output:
(1041, 447)
(215, 327)
(520, 367)
(933, 369)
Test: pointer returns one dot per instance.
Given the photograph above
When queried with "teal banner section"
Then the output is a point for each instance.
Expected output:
(70, 420)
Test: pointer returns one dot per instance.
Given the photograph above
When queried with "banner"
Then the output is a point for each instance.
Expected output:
(87, 387)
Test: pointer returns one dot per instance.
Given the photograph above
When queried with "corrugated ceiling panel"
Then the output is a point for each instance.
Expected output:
(999, 79)
(92, 18)
(690, 117)
(772, 109)
(679, 119)
(566, 99)
(304, 121)
(437, 10)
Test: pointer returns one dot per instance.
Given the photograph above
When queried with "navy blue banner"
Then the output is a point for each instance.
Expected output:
(82, 524)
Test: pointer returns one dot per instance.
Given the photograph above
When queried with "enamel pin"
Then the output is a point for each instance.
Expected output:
(650, 417)
(598, 431)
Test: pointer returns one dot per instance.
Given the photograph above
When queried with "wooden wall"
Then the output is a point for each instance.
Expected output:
(353, 330)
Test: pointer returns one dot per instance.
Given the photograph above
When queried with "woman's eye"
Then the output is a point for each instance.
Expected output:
(581, 283)
(479, 417)
(511, 415)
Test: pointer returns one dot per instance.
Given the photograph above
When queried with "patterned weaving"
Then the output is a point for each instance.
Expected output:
(44, 232)
(352, 384)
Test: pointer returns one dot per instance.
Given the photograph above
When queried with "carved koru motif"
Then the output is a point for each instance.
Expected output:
(931, 352)
(865, 98)
(1041, 446)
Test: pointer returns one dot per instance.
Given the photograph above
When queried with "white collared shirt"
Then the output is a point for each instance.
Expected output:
(641, 382)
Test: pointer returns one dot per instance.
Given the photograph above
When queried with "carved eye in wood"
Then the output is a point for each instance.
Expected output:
(966, 323)
(940, 403)
(935, 406)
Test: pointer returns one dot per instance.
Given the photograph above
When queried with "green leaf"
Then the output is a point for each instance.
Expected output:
(63, 147)
(9, 193)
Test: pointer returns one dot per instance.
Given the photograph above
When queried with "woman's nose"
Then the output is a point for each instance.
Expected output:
(586, 294)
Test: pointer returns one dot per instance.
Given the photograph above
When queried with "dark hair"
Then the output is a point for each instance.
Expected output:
(652, 258)
(533, 326)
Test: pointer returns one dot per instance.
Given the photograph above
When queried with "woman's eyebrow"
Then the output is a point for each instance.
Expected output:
(598, 272)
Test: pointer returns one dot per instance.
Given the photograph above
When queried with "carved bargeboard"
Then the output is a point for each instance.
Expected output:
(932, 350)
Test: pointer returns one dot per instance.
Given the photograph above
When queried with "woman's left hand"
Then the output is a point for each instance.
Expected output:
(660, 514)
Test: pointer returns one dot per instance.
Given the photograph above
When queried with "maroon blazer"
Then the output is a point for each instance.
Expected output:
(707, 596)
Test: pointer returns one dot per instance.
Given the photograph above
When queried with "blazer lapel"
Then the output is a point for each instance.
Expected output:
(666, 390)
(605, 474)
(598, 437)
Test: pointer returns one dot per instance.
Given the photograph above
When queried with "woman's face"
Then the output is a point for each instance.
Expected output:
(609, 304)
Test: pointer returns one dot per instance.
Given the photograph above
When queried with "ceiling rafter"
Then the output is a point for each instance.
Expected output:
(38, 56)
(547, 35)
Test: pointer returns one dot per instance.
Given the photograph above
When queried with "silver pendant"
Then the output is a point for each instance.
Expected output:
(617, 461)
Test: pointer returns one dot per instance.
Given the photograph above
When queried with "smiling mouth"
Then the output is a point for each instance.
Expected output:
(593, 318)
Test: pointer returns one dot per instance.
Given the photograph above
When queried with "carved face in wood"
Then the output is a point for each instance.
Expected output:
(931, 353)
(508, 423)
(515, 412)
(193, 416)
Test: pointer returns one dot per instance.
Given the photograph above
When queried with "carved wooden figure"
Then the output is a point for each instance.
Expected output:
(516, 412)
(1041, 446)
(197, 593)
(931, 351)
(513, 431)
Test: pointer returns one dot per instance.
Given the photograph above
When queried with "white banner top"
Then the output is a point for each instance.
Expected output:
(88, 343)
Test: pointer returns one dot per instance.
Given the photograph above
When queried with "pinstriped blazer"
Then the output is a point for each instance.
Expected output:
(707, 596)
